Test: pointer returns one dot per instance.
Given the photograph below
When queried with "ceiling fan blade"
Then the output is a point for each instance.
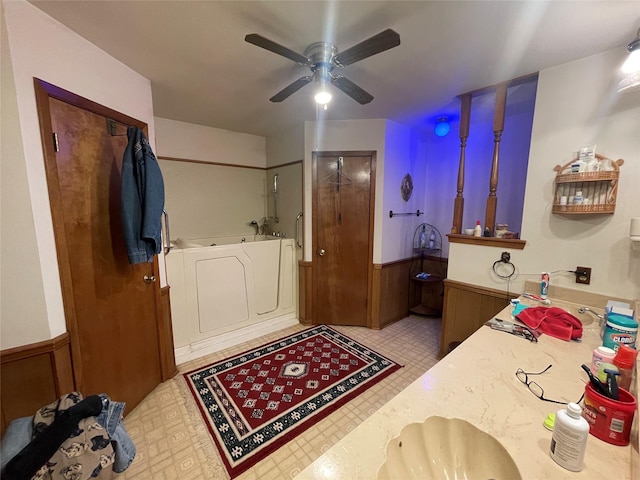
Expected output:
(351, 89)
(294, 87)
(267, 44)
(376, 44)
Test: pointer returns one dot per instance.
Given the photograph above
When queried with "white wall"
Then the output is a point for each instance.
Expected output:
(286, 147)
(229, 184)
(211, 200)
(400, 158)
(80, 67)
(576, 105)
(23, 312)
(289, 198)
(513, 155)
(282, 150)
(442, 156)
(197, 142)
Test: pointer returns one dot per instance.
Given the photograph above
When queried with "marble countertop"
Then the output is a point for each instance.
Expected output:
(477, 382)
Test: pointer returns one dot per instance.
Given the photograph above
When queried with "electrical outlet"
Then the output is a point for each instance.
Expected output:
(583, 275)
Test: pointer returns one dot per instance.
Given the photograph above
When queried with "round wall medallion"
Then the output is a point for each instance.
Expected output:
(406, 187)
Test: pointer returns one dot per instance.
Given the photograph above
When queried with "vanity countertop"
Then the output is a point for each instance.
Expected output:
(477, 382)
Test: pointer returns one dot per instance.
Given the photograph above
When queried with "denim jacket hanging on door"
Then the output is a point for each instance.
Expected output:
(142, 199)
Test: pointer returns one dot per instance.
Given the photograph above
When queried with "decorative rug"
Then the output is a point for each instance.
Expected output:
(255, 402)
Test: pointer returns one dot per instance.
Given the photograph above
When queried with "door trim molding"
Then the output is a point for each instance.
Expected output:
(43, 92)
(315, 155)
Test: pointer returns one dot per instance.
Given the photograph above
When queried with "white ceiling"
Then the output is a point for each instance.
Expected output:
(202, 71)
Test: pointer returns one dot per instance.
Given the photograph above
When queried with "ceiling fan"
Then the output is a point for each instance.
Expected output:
(323, 57)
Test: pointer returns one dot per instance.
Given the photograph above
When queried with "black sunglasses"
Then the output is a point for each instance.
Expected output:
(535, 388)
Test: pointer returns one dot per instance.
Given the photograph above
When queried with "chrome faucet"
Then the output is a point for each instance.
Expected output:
(600, 316)
(255, 225)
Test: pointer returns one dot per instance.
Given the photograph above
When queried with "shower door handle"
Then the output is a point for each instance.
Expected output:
(321, 252)
(298, 235)
(167, 238)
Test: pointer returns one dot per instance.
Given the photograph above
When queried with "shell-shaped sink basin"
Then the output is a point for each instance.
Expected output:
(446, 448)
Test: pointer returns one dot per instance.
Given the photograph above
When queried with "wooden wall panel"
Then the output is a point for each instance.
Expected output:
(305, 297)
(62, 369)
(37, 374)
(466, 308)
(27, 385)
(168, 366)
(390, 295)
(373, 301)
(33, 376)
(393, 294)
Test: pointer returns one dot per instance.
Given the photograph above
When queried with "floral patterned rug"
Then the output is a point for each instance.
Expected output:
(255, 402)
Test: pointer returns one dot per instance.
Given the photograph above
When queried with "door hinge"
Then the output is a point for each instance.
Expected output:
(56, 145)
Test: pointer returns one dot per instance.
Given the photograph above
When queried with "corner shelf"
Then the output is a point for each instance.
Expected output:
(599, 188)
(428, 285)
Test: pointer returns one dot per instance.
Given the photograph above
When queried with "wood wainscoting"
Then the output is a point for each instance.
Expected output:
(466, 308)
(33, 376)
(305, 294)
(390, 296)
(37, 374)
(390, 292)
(168, 368)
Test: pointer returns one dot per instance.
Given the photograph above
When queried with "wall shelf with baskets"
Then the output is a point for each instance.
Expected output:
(587, 192)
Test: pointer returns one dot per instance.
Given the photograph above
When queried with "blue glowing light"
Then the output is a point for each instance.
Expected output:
(442, 127)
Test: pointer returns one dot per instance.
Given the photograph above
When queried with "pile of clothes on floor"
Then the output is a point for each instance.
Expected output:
(71, 439)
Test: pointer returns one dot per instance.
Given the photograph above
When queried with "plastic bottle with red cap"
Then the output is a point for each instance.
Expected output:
(625, 360)
(477, 231)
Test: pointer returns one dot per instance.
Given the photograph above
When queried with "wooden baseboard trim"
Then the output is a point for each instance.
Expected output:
(391, 321)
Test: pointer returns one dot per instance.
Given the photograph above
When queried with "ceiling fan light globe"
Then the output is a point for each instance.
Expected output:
(322, 97)
(631, 68)
(629, 83)
(632, 63)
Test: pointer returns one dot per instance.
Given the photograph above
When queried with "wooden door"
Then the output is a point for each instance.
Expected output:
(342, 236)
(111, 311)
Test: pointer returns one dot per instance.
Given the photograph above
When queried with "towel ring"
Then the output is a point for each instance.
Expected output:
(513, 268)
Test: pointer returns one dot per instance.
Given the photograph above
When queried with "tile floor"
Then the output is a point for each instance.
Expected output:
(172, 441)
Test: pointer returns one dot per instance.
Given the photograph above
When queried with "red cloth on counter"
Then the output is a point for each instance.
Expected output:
(553, 321)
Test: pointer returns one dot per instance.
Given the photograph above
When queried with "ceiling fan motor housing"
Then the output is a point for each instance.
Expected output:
(320, 55)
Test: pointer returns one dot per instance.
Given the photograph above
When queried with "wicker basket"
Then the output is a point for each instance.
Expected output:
(601, 188)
